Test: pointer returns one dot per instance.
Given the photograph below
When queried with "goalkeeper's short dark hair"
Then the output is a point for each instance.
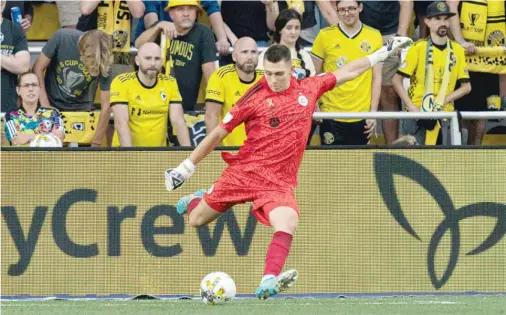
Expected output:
(277, 53)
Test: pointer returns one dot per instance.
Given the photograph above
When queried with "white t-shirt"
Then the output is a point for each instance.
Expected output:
(298, 72)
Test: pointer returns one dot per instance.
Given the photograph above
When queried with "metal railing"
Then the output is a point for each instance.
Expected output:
(452, 117)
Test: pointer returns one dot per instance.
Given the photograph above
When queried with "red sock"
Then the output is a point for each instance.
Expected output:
(277, 252)
(193, 203)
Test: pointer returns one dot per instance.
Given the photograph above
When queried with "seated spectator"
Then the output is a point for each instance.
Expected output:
(288, 24)
(143, 101)
(228, 84)
(69, 68)
(24, 124)
(26, 8)
(157, 11)
(189, 55)
(15, 60)
(334, 47)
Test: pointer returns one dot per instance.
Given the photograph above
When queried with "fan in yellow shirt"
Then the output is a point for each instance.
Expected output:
(228, 84)
(143, 101)
(436, 66)
(334, 47)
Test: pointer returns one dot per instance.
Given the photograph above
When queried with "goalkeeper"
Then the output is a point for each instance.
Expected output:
(277, 112)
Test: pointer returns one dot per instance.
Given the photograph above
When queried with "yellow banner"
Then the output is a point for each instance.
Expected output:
(488, 59)
(371, 221)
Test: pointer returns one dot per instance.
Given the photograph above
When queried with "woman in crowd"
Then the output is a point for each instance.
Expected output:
(288, 25)
(30, 119)
(70, 66)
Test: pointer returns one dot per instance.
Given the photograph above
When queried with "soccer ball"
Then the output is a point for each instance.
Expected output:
(46, 140)
(217, 288)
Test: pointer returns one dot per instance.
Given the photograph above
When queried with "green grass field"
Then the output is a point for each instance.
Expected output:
(444, 305)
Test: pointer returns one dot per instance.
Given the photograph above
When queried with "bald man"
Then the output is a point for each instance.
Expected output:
(143, 101)
(228, 84)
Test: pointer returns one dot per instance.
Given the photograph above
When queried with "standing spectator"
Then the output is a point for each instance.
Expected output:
(15, 59)
(436, 67)
(307, 9)
(288, 26)
(24, 124)
(26, 8)
(228, 84)
(157, 11)
(69, 68)
(481, 23)
(191, 54)
(68, 13)
(390, 18)
(334, 47)
(143, 101)
(246, 19)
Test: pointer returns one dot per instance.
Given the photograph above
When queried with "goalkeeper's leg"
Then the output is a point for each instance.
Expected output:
(199, 212)
(284, 220)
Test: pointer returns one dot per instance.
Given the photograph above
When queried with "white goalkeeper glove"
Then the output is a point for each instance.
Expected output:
(389, 49)
(174, 178)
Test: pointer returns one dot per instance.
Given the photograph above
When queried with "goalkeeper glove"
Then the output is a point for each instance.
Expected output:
(389, 49)
(174, 178)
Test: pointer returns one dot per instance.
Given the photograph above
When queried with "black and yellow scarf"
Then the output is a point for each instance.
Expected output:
(114, 18)
(484, 24)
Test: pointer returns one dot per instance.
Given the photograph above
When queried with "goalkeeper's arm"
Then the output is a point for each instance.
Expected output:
(174, 178)
(355, 68)
(208, 144)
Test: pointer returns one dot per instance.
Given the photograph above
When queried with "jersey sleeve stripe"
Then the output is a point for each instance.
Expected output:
(461, 81)
(119, 103)
(214, 101)
(175, 102)
(313, 54)
(403, 74)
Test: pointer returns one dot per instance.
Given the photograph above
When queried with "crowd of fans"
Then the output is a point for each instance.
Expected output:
(155, 95)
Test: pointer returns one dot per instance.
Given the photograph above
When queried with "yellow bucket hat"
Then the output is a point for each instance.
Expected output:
(178, 3)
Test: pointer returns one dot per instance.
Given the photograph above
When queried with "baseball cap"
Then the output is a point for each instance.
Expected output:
(438, 8)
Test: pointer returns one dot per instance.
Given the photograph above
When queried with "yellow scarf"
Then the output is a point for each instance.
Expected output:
(483, 23)
(428, 102)
(298, 5)
(114, 18)
(166, 60)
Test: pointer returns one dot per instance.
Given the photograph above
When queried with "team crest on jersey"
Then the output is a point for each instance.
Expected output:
(328, 138)
(365, 46)
(341, 61)
(496, 38)
(303, 101)
(164, 96)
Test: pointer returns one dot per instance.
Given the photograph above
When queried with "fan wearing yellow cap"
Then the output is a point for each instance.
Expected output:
(190, 54)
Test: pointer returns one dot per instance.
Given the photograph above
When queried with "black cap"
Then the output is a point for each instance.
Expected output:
(438, 8)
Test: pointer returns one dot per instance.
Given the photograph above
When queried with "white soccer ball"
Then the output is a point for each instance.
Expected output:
(217, 288)
(46, 140)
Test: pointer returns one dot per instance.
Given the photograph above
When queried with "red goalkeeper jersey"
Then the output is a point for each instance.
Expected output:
(277, 129)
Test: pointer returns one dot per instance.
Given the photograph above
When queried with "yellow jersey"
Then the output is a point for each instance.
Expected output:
(413, 67)
(148, 107)
(226, 88)
(336, 48)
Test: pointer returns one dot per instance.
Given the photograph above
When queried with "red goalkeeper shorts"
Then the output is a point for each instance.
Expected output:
(234, 188)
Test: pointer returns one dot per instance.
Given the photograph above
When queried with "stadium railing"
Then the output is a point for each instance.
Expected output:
(456, 139)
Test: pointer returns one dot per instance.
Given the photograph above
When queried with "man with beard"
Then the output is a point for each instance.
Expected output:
(191, 54)
(143, 101)
(436, 66)
(334, 47)
(228, 84)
